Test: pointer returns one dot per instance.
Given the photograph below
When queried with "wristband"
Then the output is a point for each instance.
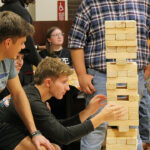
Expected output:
(37, 132)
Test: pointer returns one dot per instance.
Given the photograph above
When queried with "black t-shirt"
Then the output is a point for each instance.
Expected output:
(64, 54)
(61, 132)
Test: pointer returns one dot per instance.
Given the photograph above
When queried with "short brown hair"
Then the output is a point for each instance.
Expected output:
(51, 67)
(13, 26)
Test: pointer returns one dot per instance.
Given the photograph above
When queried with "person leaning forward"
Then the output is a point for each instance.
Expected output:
(13, 32)
(51, 79)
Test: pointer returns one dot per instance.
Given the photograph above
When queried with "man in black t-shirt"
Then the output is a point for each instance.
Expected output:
(51, 79)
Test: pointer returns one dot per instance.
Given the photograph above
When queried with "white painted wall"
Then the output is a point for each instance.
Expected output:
(46, 10)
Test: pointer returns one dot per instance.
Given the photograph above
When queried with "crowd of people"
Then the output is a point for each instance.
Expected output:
(27, 118)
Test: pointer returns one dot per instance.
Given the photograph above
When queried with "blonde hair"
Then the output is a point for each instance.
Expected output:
(51, 67)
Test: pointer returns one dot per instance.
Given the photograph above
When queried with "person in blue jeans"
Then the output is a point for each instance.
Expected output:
(87, 43)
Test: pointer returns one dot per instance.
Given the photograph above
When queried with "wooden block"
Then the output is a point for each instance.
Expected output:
(110, 24)
(120, 24)
(112, 132)
(111, 49)
(121, 140)
(133, 109)
(110, 31)
(132, 73)
(131, 49)
(132, 141)
(124, 122)
(117, 43)
(131, 55)
(111, 66)
(110, 37)
(122, 92)
(121, 49)
(111, 73)
(131, 43)
(133, 115)
(132, 83)
(131, 30)
(132, 79)
(111, 79)
(121, 30)
(130, 66)
(132, 86)
(123, 128)
(120, 147)
(122, 73)
(111, 85)
(121, 79)
(111, 140)
(121, 55)
(130, 36)
(125, 103)
(121, 61)
(130, 24)
(115, 133)
(134, 97)
(126, 30)
(111, 97)
(120, 37)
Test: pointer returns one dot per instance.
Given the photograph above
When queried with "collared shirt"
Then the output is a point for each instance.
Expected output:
(88, 30)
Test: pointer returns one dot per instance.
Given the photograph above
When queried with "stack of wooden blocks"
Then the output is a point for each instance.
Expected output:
(122, 83)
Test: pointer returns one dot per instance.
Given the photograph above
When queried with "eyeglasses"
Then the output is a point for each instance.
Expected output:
(58, 34)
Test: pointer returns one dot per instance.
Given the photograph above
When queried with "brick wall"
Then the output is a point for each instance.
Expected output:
(72, 8)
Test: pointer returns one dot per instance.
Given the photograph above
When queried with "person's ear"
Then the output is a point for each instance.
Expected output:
(49, 40)
(7, 42)
(48, 82)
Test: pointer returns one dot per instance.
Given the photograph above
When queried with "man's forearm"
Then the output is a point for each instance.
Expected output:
(79, 65)
(78, 61)
(83, 115)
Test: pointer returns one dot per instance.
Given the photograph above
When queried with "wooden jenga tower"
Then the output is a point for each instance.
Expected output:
(122, 83)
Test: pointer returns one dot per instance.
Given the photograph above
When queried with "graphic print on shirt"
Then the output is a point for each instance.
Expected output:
(3, 81)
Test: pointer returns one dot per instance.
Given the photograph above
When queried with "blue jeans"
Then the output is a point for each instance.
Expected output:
(94, 140)
(144, 117)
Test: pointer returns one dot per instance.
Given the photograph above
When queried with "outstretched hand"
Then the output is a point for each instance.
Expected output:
(40, 140)
(113, 112)
(95, 104)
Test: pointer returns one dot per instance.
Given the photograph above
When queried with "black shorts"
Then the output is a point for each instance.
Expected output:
(10, 136)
